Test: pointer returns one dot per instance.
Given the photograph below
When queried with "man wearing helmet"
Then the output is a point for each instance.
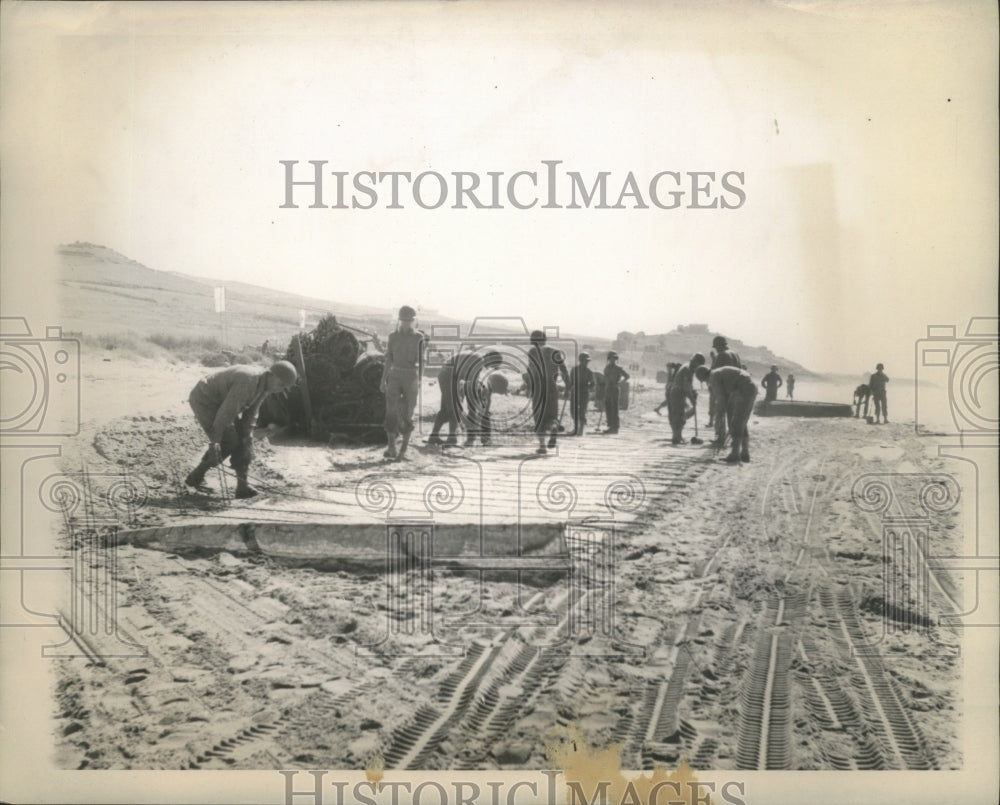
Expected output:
(679, 393)
(613, 376)
(581, 383)
(226, 404)
(877, 385)
(722, 355)
(401, 380)
(545, 364)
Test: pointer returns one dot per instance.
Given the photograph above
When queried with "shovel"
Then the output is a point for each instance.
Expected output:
(695, 439)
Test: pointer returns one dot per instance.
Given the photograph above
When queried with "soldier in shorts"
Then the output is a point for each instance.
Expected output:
(401, 380)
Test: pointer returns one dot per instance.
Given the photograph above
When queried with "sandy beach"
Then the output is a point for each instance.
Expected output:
(749, 625)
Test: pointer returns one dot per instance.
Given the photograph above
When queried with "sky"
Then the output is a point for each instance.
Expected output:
(866, 136)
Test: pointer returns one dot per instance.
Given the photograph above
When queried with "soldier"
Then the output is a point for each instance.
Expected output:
(771, 383)
(679, 393)
(226, 404)
(581, 384)
(862, 394)
(613, 375)
(544, 365)
(401, 380)
(733, 392)
(479, 387)
(671, 371)
(451, 405)
(722, 355)
(790, 387)
(877, 385)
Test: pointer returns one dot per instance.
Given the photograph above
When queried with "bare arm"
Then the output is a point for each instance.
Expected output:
(387, 363)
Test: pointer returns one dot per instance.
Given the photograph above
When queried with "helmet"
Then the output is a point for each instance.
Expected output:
(719, 342)
(407, 313)
(285, 372)
(612, 354)
(493, 359)
(698, 359)
(879, 368)
(537, 337)
(584, 356)
(774, 368)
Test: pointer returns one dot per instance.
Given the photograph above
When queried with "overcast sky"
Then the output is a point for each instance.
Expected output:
(866, 136)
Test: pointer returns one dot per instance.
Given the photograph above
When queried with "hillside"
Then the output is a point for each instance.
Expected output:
(105, 293)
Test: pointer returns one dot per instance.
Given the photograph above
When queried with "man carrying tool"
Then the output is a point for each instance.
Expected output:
(545, 364)
(771, 383)
(679, 393)
(401, 380)
(226, 404)
(671, 371)
(581, 383)
(613, 376)
(733, 392)
(877, 385)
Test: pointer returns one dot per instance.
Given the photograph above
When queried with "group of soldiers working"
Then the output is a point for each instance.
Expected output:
(731, 394)
(226, 404)
(470, 379)
(873, 391)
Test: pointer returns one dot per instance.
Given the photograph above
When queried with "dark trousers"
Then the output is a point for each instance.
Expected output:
(236, 443)
(579, 409)
(447, 414)
(477, 419)
(676, 404)
(858, 401)
(611, 410)
(881, 405)
(739, 406)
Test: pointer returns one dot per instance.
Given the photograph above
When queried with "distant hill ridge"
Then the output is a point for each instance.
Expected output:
(684, 340)
(103, 291)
